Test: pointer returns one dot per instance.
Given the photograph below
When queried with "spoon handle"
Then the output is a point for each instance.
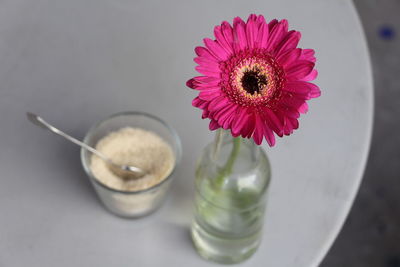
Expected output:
(38, 121)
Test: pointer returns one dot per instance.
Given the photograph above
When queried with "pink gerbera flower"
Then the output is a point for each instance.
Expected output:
(256, 81)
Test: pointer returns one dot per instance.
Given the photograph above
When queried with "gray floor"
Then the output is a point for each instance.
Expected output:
(371, 235)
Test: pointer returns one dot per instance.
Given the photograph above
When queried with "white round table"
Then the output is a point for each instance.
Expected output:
(75, 62)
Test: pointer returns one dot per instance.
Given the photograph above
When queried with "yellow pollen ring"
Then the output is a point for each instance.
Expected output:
(261, 70)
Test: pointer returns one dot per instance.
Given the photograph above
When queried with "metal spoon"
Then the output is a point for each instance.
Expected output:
(124, 171)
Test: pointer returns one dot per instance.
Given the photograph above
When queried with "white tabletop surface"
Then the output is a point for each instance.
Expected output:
(78, 61)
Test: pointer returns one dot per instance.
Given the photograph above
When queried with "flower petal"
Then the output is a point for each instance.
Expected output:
(261, 21)
(290, 102)
(286, 59)
(295, 123)
(205, 113)
(217, 103)
(262, 38)
(219, 36)
(203, 52)
(225, 116)
(207, 88)
(251, 30)
(198, 103)
(298, 87)
(258, 130)
(228, 123)
(315, 91)
(196, 83)
(248, 129)
(308, 54)
(277, 33)
(206, 62)
(310, 77)
(307, 89)
(208, 66)
(293, 112)
(303, 108)
(201, 80)
(272, 23)
(274, 121)
(288, 43)
(214, 125)
(298, 70)
(205, 70)
(240, 121)
(215, 114)
(269, 135)
(209, 94)
(191, 84)
(227, 31)
(215, 49)
(290, 125)
(239, 34)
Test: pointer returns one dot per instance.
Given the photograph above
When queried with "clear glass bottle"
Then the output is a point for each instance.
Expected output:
(232, 178)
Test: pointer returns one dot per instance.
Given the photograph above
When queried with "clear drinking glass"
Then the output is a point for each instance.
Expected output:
(232, 178)
(137, 203)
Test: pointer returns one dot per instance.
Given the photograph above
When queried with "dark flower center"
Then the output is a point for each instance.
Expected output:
(253, 82)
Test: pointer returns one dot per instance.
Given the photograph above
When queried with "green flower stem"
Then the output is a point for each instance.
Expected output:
(227, 170)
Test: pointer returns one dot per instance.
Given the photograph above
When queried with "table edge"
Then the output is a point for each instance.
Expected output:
(367, 144)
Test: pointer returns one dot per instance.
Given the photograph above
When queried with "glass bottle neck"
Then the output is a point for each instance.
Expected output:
(224, 138)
